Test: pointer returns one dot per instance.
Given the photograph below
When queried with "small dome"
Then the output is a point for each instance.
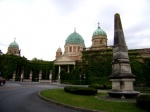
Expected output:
(74, 38)
(14, 45)
(99, 31)
(59, 50)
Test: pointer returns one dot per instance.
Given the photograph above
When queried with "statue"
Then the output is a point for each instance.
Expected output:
(50, 76)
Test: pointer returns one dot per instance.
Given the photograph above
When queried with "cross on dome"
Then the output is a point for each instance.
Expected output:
(98, 25)
(74, 29)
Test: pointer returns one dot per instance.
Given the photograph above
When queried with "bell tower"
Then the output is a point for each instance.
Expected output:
(58, 53)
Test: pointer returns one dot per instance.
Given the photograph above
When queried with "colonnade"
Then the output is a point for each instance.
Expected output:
(31, 76)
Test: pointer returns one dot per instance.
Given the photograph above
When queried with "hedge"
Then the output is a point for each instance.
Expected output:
(80, 90)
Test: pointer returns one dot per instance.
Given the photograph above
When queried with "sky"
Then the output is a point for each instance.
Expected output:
(42, 26)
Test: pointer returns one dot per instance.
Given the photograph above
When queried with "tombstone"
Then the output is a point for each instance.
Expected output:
(30, 76)
(40, 75)
(121, 77)
(50, 76)
(14, 75)
(22, 75)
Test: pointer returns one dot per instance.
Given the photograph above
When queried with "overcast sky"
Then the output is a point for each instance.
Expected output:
(42, 26)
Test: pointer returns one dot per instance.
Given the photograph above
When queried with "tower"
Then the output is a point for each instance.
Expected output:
(58, 53)
(99, 39)
(13, 48)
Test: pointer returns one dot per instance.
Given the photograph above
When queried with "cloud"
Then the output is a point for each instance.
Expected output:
(40, 27)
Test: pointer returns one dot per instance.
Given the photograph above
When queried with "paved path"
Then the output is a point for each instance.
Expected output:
(22, 97)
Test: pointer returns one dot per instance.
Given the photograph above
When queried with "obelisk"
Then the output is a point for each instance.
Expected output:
(122, 78)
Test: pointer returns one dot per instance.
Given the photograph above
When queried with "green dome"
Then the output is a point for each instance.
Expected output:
(74, 38)
(99, 31)
(13, 45)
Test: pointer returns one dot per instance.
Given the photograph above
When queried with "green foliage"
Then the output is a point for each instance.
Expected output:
(97, 65)
(75, 77)
(80, 90)
(98, 86)
(11, 63)
(143, 101)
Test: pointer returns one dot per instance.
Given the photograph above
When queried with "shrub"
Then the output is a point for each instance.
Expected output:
(98, 86)
(143, 101)
(80, 90)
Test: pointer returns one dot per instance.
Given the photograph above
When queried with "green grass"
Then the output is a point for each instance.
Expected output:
(90, 102)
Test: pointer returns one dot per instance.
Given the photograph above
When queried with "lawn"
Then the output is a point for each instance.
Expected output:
(90, 102)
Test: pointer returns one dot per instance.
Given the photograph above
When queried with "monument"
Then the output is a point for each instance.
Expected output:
(122, 78)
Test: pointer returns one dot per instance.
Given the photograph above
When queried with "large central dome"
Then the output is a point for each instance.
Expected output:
(74, 38)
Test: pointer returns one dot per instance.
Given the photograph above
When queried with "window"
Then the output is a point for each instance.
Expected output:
(70, 49)
(100, 41)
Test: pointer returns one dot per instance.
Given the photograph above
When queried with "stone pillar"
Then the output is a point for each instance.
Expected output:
(22, 75)
(30, 76)
(68, 49)
(59, 73)
(50, 76)
(40, 75)
(14, 75)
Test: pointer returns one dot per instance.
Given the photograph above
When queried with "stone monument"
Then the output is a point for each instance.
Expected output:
(50, 76)
(121, 77)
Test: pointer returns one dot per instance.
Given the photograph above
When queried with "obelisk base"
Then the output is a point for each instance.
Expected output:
(123, 88)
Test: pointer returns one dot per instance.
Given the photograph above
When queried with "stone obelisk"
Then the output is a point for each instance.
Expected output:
(122, 78)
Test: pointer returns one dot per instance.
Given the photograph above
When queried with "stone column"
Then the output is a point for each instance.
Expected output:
(76, 49)
(68, 48)
(22, 75)
(40, 75)
(50, 76)
(30, 76)
(59, 73)
(14, 75)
